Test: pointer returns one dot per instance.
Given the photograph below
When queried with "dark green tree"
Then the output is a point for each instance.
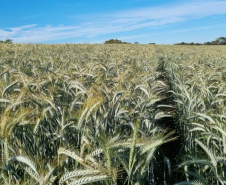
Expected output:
(9, 41)
(221, 40)
(113, 41)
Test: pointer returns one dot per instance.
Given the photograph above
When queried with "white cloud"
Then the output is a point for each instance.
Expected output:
(116, 22)
(194, 9)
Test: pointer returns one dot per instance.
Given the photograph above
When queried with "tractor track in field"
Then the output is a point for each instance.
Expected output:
(171, 151)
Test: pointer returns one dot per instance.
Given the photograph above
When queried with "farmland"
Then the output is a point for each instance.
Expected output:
(112, 114)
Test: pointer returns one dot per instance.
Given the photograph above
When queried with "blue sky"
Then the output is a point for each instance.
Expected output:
(94, 21)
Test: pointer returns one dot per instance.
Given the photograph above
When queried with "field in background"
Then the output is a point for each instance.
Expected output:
(112, 114)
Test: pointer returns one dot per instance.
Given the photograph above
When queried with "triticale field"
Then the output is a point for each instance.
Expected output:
(112, 114)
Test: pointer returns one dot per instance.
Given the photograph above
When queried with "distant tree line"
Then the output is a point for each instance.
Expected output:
(7, 41)
(115, 41)
(218, 41)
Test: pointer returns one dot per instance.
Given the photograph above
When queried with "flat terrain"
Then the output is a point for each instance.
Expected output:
(112, 114)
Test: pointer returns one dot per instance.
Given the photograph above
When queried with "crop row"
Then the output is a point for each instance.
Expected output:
(198, 83)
